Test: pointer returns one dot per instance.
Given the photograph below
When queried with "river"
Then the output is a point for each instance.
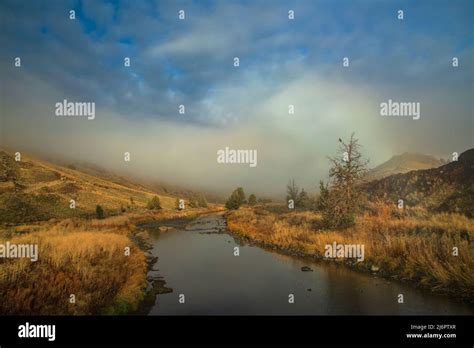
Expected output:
(199, 262)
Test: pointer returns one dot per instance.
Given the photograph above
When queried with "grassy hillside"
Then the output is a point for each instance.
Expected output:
(154, 185)
(449, 188)
(35, 190)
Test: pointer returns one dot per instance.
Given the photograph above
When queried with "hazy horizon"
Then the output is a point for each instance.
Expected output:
(190, 62)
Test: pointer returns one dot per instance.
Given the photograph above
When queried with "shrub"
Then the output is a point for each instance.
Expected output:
(201, 200)
(99, 212)
(154, 203)
(193, 203)
(236, 199)
(252, 199)
(304, 202)
(26, 207)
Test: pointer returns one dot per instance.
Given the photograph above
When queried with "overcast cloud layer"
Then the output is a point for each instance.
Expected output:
(190, 62)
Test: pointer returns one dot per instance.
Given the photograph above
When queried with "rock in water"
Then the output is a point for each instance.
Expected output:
(374, 268)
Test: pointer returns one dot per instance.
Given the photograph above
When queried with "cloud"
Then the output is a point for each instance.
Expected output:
(190, 62)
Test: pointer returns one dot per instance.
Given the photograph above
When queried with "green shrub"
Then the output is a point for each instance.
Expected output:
(154, 203)
(236, 199)
(99, 212)
(252, 199)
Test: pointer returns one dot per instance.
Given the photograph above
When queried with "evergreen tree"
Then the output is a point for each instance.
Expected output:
(292, 191)
(236, 199)
(303, 200)
(252, 199)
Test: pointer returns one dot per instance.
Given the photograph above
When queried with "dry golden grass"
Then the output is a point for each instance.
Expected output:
(411, 247)
(91, 265)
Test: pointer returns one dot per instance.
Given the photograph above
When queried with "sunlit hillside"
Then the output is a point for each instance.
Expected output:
(34, 190)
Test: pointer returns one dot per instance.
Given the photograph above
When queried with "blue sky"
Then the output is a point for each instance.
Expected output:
(282, 62)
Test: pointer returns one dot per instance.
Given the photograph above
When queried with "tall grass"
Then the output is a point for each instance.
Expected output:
(91, 264)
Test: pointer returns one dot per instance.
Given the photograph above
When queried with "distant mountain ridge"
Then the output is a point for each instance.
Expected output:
(448, 188)
(403, 163)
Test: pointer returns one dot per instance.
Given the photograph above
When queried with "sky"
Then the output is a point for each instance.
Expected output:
(190, 62)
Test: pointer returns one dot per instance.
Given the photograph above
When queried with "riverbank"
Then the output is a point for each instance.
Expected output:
(418, 250)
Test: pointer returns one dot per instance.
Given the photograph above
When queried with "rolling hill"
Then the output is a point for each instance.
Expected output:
(35, 190)
(403, 163)
(448, 188)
